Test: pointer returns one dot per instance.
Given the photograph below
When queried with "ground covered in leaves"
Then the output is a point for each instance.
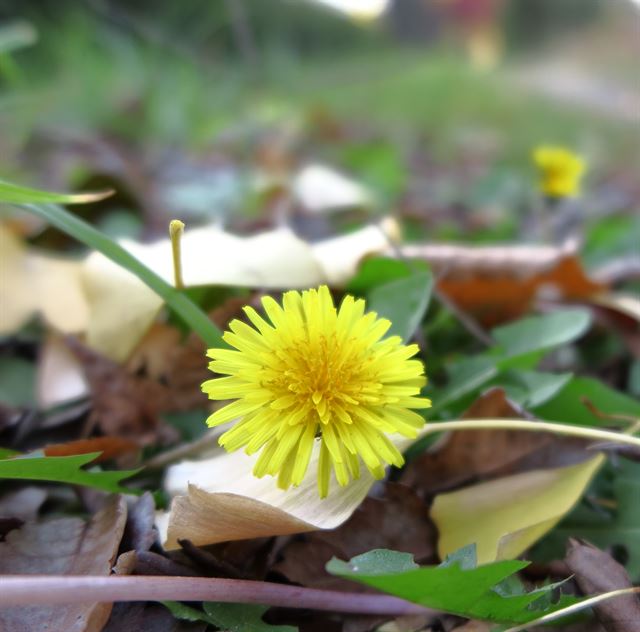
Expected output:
(525, 311)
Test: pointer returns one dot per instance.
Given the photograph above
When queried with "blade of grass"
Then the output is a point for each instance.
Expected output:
(16, 194)
(181, 304)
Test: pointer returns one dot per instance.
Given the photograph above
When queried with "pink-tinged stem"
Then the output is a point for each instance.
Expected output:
(32, 590)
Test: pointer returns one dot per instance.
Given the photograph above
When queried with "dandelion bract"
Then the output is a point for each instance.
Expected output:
(316, 377)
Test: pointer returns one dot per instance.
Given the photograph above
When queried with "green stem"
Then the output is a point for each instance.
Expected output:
(569, 430)
(193, 316)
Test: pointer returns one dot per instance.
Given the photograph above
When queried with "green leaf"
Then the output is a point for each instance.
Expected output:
(468, 592)
(533, 388)
(618, 528)
(568, 404)
(520, 346)
(403, 301)
(15, 194)
(232, 617)
(376, 562)
(17, 381)
(377, 271)
(538, 333)
(65, 469)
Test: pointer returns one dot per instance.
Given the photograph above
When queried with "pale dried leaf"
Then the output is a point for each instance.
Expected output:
(60, 377)
(219, 499)
(506, 516)
(34, 283)
(321, 189)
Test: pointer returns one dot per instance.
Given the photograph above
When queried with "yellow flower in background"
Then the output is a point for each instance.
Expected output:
(314, 374)
(560, 170)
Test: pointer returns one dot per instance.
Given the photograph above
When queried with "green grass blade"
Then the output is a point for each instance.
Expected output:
(182, 305)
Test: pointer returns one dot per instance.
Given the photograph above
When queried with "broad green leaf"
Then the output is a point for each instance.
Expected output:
(377, 271)
(533, 388)
(504, 517)
(520, 346)
(65, 469)
(466, 376)
(231, 617)
(538, 333)
(403, 301)
(17, 381)
(469, 592)
(568, 404)
(619, 527)
(15, 194)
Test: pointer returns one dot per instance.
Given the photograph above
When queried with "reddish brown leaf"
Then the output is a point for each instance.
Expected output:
(497, 284)
(111, 447)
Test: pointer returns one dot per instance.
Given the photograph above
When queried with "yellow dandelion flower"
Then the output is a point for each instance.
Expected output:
(560, 171)
(316, 375)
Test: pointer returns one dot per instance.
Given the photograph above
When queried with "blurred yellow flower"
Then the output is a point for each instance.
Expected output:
(560, 170)
(316, 375)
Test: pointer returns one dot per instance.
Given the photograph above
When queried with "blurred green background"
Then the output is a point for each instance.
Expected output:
(434, 105)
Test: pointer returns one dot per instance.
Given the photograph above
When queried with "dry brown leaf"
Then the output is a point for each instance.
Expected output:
(398, 520)
(500, 283)
(163, 375)
(66, 546)
(597, 572)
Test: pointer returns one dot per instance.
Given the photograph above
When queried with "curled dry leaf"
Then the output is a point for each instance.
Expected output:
(500, 283)
(210, 506)
(504, 517)
(597, 572)
(67, 546)
(218, 507)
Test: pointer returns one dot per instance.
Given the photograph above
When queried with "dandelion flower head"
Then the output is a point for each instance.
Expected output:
(313, 374)
(560, 171)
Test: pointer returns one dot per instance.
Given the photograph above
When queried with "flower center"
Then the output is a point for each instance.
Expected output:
(326, 379)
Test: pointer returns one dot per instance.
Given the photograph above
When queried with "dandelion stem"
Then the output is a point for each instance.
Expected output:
(176, 228)
(532, 426)
(23, 590)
